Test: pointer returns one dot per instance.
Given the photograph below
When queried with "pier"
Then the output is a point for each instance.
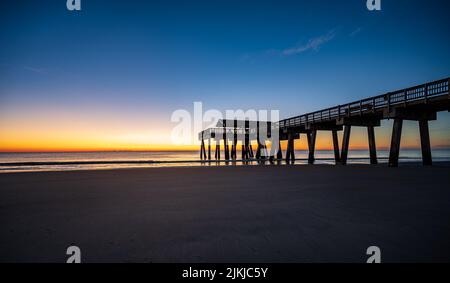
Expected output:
(418, 103)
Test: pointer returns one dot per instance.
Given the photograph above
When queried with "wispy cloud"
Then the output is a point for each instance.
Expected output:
(35, 70)
(355, 32)
(313, 44)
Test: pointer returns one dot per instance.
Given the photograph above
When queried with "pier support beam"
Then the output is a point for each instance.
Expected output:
(261, 145)
(233, 151)
(311, 132)
(226, 148)
(202, 150)
(337, 156)
(290, 155)
(261, 150)
(395, 142)
(372, 145)
(258, 151)
(279, 152)
(422, 114)
(425, 143)
(370, 122)
(217, 149)
(345, 144)
(234, 145)
(311, 145)
(209, 149)
(245, 147)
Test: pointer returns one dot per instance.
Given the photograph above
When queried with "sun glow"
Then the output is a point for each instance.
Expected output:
(31, 132)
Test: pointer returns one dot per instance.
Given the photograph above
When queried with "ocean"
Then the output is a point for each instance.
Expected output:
(64, 161)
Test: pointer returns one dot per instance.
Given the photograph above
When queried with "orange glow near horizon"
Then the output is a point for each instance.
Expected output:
(32, 142)
(70, 133)
(86, 147)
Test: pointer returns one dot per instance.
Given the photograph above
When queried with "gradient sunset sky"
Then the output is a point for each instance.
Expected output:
(109, 77)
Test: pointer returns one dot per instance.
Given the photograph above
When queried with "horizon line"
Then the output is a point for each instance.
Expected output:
(190, 150)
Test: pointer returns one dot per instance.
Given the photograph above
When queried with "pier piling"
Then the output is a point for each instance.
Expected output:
(311, 145)
(395, 142)
(345, 144)
(372, 145)
(337, 156)
(290, 155)
(425, 143)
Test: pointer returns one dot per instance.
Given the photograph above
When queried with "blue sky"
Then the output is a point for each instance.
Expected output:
(135, 59)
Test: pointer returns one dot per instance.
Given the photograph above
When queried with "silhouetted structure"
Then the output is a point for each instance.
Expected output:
(419, 103)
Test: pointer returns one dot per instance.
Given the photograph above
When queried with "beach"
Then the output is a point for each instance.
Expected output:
(299, 213)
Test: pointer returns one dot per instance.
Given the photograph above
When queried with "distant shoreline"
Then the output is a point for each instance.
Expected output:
(39, 162)
(192, 150)
(162, 161)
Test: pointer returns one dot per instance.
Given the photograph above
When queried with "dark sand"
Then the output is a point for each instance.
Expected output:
(228, 214)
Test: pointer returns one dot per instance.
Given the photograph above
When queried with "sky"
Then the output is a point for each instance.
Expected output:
(110, 76)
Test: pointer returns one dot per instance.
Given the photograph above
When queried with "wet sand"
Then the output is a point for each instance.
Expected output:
(228, 214)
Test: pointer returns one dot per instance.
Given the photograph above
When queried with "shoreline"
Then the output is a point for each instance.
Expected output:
(34, 166)
(36, 163)
(203, 164)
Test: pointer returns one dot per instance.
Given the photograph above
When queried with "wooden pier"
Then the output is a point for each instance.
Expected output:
(419, 103)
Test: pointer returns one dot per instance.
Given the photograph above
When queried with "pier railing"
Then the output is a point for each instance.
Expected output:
(420, 93)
